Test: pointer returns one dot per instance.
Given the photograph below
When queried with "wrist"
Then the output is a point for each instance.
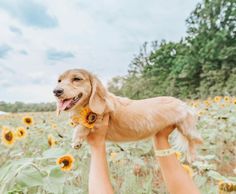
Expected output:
(162, 143)
(97, 146)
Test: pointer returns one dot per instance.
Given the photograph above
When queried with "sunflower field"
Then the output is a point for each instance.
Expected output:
(36, 155)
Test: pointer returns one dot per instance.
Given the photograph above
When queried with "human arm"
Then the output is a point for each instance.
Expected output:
(99, 181)
(176, 178)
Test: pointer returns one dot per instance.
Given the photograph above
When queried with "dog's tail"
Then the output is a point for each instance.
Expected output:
(186, 137)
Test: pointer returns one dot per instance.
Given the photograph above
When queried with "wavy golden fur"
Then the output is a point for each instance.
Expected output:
(130, 120)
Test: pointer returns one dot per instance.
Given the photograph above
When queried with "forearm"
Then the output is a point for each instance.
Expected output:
(99, 182)
(176, 179)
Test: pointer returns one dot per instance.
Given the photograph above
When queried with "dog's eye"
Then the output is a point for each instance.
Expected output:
(77, 79)
(59, 81)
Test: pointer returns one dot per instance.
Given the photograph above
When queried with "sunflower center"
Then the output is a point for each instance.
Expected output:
(21, 133)
(50, 142)
(8, 136)
(91, 118)
(28, 120)
(65, 163)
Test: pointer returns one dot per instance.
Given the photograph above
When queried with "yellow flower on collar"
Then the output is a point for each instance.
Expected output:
(86, 118)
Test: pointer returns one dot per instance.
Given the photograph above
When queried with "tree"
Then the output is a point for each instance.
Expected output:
(201, 64)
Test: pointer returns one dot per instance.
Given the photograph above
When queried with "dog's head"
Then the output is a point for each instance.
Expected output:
(78, 88)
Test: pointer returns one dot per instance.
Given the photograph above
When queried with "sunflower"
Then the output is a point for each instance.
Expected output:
(51, 140)
(65, 162)
(75, 120)
(27, 120)
(217, 99)
(195, 104)
(113, 156)
(21, 133)
(188, 169)
(8, 137)
(201, 113)
(54, 126)
(234, 101)
(207, 103)
(178, 155)
(227, 99)
(226, 186)
(86, 118)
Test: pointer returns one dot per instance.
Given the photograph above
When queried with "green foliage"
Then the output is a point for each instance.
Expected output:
(201, 64)
(29, 166)
(27, 107)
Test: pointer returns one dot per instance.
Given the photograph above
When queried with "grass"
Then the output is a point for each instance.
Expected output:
(29, 164)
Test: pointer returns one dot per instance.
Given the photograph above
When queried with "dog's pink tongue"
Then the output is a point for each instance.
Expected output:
(64, 104)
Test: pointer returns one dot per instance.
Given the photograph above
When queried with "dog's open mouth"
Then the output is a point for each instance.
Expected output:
(67, 104)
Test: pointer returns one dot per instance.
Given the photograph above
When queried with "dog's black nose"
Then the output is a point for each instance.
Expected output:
(58, 92)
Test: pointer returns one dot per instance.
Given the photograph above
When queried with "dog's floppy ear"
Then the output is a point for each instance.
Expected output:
(97, 102)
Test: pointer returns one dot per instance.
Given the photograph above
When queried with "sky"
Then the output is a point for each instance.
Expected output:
(40, 39)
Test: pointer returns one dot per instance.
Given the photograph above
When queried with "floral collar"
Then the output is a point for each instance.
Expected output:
(85, 117)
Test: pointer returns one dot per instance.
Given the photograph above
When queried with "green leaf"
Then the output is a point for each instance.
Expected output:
(53, 153)
(215, 175)
(29, 178)
(57, 174)
(4, 171)
(200, 181)
(52, 186)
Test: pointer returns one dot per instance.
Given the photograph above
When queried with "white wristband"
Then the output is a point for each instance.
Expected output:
(166, 152)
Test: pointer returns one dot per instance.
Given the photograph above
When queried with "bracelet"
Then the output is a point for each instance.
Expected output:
(166, 152)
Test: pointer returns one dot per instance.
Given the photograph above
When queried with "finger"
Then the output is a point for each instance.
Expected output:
(102, 123)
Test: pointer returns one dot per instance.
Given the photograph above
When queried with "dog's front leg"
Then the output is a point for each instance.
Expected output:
(79, 135)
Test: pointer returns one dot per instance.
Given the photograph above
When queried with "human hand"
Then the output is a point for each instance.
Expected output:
(97, 136)
(161, 138)
(165, 132)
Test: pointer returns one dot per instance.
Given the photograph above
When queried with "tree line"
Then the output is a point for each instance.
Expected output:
(27, 107)
(201, 64)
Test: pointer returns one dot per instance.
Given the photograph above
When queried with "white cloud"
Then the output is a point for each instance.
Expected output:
(30, 93)
(101, 36)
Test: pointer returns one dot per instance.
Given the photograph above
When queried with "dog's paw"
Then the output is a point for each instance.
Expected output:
(77, 145)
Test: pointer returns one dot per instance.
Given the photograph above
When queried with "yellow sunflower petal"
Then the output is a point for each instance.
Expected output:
(51, 140)
(65, 162)
(227, 99)
(27, 120)
(188, 169)
(113, 156)
(217, 99)
(226, 186)
(234, 101)
(75, 119)
(8, 137)
(21, 133)
(86, 118)
(178, 155)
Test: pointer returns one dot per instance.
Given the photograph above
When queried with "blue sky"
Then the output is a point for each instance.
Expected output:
(41, 39)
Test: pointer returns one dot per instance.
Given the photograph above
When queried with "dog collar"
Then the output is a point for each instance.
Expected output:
(85, 117)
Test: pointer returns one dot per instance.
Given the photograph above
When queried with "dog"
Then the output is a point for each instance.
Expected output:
(129, 120)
